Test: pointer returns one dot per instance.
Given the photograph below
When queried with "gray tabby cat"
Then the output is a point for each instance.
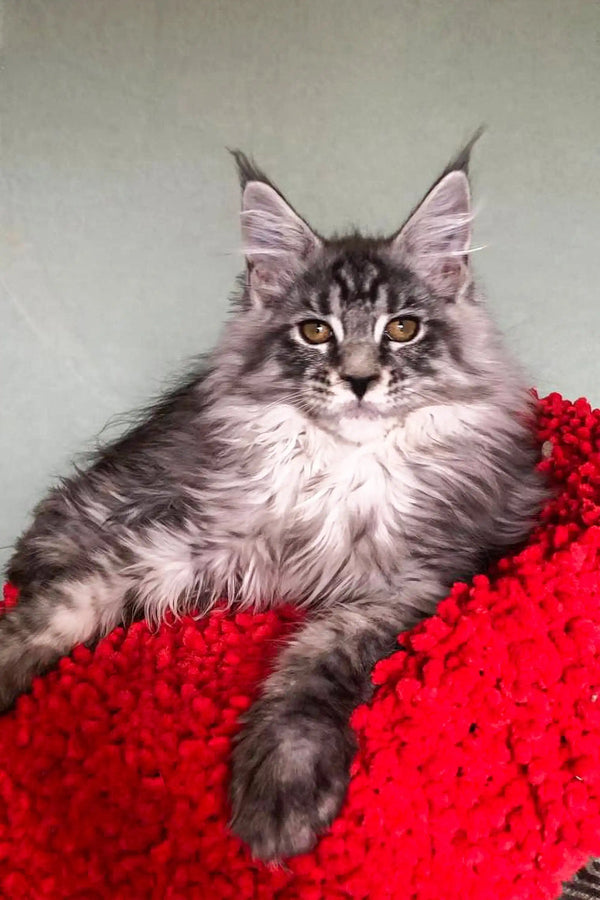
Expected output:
(358, 440)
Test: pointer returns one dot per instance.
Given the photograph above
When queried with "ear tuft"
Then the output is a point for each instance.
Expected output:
(462, 160)
(247, 169)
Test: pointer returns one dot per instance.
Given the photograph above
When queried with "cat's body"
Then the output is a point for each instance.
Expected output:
(311, 460)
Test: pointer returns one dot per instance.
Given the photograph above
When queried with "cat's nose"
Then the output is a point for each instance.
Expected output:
(360, 385)
(359, 365)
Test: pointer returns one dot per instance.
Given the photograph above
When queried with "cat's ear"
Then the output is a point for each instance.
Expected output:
(434, 242)
(276, 241)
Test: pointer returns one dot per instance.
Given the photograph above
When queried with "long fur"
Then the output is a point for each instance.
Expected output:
(266, 477)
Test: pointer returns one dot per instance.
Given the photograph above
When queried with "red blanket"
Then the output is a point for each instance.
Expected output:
(478, 774)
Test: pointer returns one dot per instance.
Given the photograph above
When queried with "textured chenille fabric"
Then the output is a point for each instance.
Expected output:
(478, 770)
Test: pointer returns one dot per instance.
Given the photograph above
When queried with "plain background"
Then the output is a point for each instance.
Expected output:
(119, 234)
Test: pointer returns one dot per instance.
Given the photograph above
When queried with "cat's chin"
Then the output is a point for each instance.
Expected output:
(361, 426)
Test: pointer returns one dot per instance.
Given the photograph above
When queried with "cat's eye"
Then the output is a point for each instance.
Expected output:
(402, 329)
(315, 332)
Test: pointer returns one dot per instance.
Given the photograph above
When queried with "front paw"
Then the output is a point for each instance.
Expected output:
(289, 780)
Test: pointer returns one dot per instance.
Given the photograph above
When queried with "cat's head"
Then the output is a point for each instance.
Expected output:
(354, 330)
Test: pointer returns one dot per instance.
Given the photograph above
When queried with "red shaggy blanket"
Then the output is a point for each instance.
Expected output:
(478, 774)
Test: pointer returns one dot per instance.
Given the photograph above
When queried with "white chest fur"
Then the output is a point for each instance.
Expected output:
(302, 514)
(314, 510)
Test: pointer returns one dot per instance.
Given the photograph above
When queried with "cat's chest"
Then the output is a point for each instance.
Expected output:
(307, 518)
(302, 513)
(326, 493)
(347, 483)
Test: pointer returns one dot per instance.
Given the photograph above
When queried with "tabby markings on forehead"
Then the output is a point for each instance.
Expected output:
(334, 299)
(353, 286)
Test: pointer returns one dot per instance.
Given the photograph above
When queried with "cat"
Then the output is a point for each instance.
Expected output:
(359, 439)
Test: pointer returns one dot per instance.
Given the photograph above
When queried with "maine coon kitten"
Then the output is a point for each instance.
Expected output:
(358, 440)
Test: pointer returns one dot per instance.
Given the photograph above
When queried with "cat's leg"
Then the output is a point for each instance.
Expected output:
(292, 758)
(76, 590)
(48, 621)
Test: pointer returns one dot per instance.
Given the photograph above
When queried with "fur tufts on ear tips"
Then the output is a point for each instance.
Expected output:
(435, 240)
(247, 169)
(462, 160)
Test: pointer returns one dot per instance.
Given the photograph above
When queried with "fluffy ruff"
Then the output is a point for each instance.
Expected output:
(477, 774)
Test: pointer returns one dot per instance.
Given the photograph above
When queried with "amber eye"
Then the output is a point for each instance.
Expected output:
(315, 332)
(402, 329)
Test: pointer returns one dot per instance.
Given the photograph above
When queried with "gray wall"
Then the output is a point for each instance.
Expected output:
(119, 235)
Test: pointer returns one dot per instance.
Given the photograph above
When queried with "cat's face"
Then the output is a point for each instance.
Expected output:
(355, 332)
(359, 337)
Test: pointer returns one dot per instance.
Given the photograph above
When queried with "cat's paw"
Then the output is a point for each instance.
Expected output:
(289, 780)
